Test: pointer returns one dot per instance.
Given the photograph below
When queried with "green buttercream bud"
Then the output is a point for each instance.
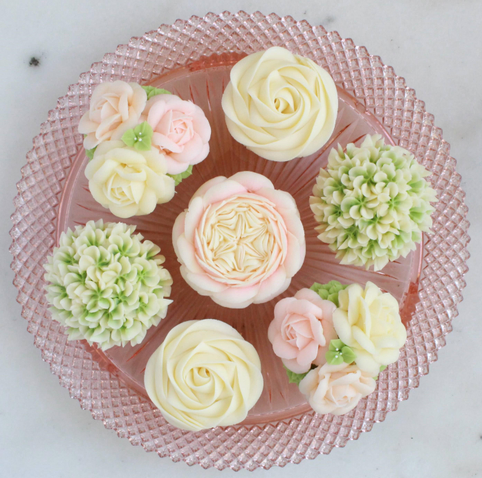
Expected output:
(179, 177)
(328, 291)
(140, 137)
(295, 377)
(153, 91)
(338, 353)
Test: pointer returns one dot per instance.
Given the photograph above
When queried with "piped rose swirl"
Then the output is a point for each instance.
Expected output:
(279, 105)
(204, 375)
(240, 240)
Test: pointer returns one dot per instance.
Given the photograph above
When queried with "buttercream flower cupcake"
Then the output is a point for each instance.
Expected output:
(240, 241)
(106, 284)
(334, 340)
(280, 105)
(204, 375)
(372, 203)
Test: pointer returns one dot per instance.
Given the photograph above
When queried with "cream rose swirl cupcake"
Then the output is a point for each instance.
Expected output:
(240, 241)
(280, 105)
(204, 375)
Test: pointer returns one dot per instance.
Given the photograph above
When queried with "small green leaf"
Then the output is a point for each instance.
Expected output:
(329, 291)
(334, 358)
(90, 152)
(140, 137)
(348, 355)
(382, 368)
(338, 353)
(129, 137)
(153, 91)
(179, 177)
(295, 377)
(336, 345)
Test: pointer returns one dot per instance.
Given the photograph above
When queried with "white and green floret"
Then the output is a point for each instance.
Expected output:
(372, 203)
(106, 284)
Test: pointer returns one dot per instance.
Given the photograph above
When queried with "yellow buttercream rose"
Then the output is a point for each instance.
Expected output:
(127, 181)
(279, 105)
(204, 375)
(368, 321)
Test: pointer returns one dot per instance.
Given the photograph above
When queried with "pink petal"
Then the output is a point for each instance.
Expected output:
(187, 255)
(238, 295)
(308, 354)
(208, 185)
(193, 217)
(282, 199)
(274, 285)
(295, 256)
(201, 124)
(177, 230)
(252, 181)
(295, 367)
(190, 151)
(202, 283)
(175, 167)
(284, 350)
(303, 307)
(281, 308)
(223, 191)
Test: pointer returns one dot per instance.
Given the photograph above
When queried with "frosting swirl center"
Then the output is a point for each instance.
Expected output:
(241, 239)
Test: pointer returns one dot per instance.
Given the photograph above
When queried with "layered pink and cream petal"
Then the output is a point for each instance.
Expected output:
(238, 239)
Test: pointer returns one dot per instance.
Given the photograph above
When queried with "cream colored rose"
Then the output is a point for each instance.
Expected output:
(114, 108)
(127, 181)
(336, 389)
(369, 322)
(279, 105)
(240, 241)
(204, 375)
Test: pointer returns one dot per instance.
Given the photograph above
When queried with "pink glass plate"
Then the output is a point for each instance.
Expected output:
(192, 59)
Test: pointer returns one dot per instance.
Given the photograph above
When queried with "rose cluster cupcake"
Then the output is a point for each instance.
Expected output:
(142, 142)
(334, 340)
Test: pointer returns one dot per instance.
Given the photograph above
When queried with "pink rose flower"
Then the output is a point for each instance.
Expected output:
(240, 241)
(302, 329)
(336, 389)
(181, 131)
(114, 108)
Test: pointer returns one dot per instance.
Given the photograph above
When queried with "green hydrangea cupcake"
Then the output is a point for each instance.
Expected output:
(106, 284)
(372, 203)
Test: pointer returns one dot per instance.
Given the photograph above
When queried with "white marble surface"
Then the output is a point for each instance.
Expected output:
(434, 44)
